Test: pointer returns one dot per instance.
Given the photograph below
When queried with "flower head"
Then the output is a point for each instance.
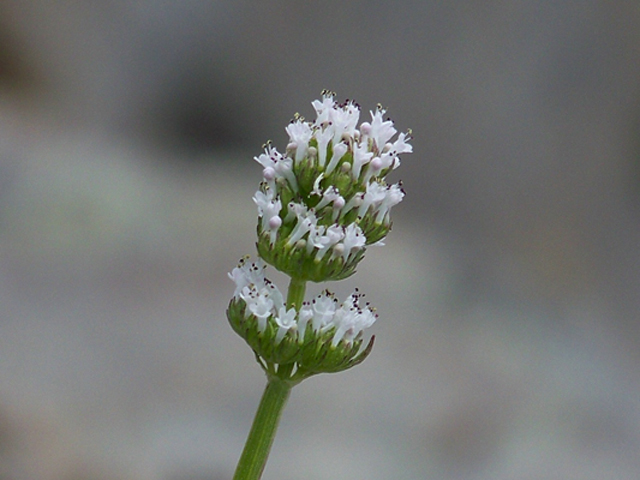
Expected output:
(331, 179)
(324, 335)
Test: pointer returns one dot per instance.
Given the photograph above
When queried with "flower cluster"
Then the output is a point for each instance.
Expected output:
(323, 336)
(325, 200)
(320, 204)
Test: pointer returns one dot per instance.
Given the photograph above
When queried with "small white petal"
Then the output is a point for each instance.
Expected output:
(338, 152)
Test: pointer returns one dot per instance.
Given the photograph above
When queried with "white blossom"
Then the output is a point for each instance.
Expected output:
(274, 161)
(286, 320)
(354, 202)
(338, 152)
(393, 196)
(323, 108)
(354, 239)
(350, 319)
(261, 306)
(299, 135)
(401, 146)
(323, 136)
(303, 226)
(332, 235)
(295, 210)
(274, 294)
(330, 195)
(304, 315)
(343, 121)
(361, 156)
(269, 211)
(316, 237)
(248, 274)
(379, 130)
(317, 204)
(323, 308)
(373, 196)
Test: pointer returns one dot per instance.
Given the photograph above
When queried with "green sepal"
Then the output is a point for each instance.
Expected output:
(373, 231)
(262, 343)
(306, 173)
(323, 357)
(296, 262)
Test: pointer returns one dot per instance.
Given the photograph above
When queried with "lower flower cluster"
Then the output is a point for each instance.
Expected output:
(323, 336)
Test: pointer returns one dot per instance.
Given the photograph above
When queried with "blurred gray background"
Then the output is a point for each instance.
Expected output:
(508, 292)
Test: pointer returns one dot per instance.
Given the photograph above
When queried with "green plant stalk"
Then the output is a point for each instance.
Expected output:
(263, 431)
(295, 295)
(275, 396)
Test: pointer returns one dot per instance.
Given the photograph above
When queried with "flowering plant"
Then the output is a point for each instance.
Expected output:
(320, 205)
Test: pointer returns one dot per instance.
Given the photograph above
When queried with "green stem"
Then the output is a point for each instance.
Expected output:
(295, 296)
(275, 396)
(263, 431)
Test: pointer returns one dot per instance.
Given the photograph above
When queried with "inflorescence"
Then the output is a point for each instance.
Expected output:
(324, 201)
(320, 204)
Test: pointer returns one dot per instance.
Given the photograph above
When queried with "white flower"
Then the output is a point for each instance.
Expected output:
(323, 108)
(269, 210)
(393, 196)
(354, 202)
(350, 320)
(261, 306)
(274, 224)
(354, 239)
(303, 226)
(316, 185)
(343, 121)
(332, 235)
(285, 168)
(400, 146)
(380, 131)
(323, 137)
(374, 195)
(247, 275)
(299, 135)
(361, 156)
(316, 237)
(274, 294)
(267, 206)
(377, 164)
(305, 314)
(295, 210)
(266, 160)
(261, 296)
(338, 152)
(269, 159)
(286, 320)
(328, 162)
(351, 323)
(338, 204)
(274, 161)
(323, 308)
(331, 194)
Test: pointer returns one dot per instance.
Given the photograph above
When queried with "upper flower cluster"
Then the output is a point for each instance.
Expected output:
(324, 200)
